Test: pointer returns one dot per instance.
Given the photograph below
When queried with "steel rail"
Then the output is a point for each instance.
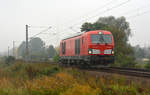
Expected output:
(135, 69)
(123, 71)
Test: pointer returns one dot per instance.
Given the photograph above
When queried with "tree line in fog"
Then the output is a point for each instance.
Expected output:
(37, 50)
(141, 52)
(125, 53)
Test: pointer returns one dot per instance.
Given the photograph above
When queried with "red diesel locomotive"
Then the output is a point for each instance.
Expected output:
(92, 48)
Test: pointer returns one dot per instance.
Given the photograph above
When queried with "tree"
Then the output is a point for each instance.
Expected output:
(36, 45)
(124, 54)
(36, 49)
(51, 51)
(9, 60)
(139, 52)
(56, 57)
(89, 26)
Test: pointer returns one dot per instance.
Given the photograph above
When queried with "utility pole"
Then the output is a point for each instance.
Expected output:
(14, 48)
(27, 45)
(27, 39)
(8, 51)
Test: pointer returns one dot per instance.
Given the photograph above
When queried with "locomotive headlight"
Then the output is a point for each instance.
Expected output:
(112, 52)
(90, 52)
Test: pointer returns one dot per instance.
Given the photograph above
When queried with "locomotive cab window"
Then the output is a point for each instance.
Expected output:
(101, 38)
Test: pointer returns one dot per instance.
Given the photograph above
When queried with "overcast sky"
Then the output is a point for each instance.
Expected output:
(61, 14)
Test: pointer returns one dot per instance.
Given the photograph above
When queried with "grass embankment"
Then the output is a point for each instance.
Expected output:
(47, 79)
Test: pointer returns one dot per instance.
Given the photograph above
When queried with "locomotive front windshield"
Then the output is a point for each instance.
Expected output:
(101, 38)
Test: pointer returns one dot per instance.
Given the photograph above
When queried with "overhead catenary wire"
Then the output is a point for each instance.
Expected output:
(30, 26)
(102, 12)
(54, 34)
(90, 12)
(138, 14)
(128, 12)
(40, 32)
(135, 10)
(130, 17)
(99, 8)
(108, 9)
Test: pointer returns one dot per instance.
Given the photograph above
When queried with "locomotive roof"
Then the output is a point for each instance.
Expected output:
(80, 33)
(73, 35)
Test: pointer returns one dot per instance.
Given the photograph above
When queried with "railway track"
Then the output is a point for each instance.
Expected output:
(144, 73)
(123, 71)
(119, 70)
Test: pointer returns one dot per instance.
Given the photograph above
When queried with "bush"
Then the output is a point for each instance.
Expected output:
(32, 71)
(56, 58)
(125, 61)
(147, 66)
(38, 70)
(49, 71)
(50, 85)
(9, 59)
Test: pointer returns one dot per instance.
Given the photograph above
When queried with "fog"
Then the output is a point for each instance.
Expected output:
(62, 14)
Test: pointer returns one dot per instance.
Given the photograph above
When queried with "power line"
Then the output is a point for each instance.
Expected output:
(116, 6)
(101, 7)
(139, 14)
(135, 10)
(102, 12)
(38, 26)
(109, 9)
(40, 32)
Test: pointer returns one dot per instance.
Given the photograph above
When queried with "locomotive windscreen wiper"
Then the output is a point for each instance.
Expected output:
(101, 38)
